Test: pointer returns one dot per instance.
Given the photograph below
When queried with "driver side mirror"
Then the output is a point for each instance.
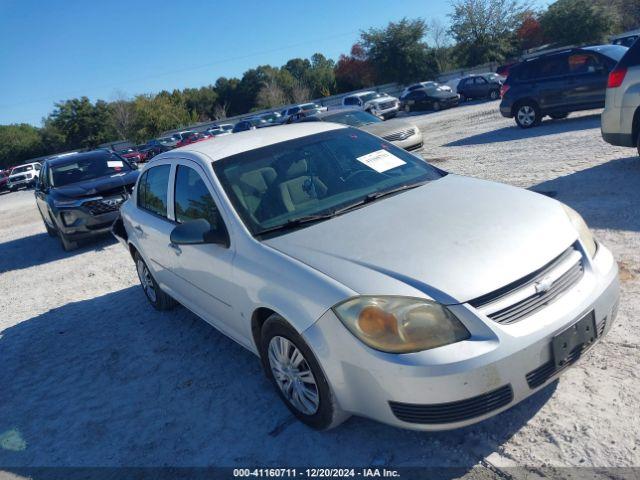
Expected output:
(198, 232)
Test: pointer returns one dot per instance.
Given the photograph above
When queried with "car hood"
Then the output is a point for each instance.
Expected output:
(97, 186)
(382, 129)
(452, 240)
(382, 100)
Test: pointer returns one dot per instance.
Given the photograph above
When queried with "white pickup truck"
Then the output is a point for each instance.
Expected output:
(379, 104)
(23, 176)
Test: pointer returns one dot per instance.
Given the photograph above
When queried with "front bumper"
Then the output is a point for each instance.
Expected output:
(410, 143)
(27, 182)
(499, 366)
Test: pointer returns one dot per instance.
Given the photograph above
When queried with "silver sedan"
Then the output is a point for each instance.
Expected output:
(367, 281)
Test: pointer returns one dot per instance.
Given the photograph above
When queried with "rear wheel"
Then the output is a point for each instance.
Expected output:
(153, 292)
(559, 116)
(436, 106)
(293, 369)
(528, 115)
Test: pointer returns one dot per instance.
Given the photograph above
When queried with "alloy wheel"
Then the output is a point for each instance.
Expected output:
(146, 280)
(293, 375)
(526, 115)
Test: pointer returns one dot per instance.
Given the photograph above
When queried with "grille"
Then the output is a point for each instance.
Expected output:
(526, 296)
(544, 372)
(399, 135)
(106, 205)
(454, 411)
(18, 178)
(385, 105)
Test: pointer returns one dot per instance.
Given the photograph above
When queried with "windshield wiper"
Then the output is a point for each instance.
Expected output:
(296, 222)
(372, 197)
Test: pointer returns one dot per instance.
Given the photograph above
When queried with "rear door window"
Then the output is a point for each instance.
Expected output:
(554, 66)
(583, 63)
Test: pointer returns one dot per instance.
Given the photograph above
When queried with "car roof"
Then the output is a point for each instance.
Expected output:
(359, 94)
(71, 156)
(225, 146)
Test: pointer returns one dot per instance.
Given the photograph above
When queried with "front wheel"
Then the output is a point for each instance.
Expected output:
(528, 115)
(494, 94)
(157, 298)
(407, 108)
(294, 371)
(436, 106)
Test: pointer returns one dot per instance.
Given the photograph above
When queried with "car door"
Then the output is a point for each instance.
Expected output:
(203, 272)
(42, 188)
(549, 85)
(481, 87)
(588, 75)
(151, 226)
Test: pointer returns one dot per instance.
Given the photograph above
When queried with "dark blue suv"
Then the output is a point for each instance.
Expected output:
(557, 83)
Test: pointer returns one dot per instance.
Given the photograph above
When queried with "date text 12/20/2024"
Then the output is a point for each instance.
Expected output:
(316, 473)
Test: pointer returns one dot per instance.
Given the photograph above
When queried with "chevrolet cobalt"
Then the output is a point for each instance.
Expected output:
(367, 281)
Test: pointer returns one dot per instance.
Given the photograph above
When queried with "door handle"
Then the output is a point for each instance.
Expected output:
(138, 229)
(176, 248)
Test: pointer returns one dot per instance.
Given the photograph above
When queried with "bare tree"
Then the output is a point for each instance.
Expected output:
(220, 111)
(271, 94)
(441, 42)
(122, 115)
(300, 92)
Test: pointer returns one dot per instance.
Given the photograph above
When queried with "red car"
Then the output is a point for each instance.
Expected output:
(132, 154)
(4, 176)
(192, 138)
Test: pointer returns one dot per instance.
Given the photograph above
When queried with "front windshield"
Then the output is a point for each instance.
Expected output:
(24, 168)
(315, 175)
(80, 169)
(309, 106)
(354, 118)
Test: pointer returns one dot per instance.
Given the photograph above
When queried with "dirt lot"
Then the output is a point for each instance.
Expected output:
(92, 376)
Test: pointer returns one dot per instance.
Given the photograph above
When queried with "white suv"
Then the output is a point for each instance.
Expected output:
(23, 176)
(620, 120)
(379, 104)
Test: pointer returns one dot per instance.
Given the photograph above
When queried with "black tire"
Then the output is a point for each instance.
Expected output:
(50, 231)
(407, 108)
(494, 94)
(463, 97)
(559, 116)
(328, 414)
(67, 244)
(527, 114)
(159, 299)
(436, 106)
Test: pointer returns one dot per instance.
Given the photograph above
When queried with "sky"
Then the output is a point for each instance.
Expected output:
(51, 50)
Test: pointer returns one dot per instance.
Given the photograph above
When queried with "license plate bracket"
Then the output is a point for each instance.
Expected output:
(581, 333)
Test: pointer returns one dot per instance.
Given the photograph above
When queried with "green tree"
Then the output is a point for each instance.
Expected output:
(576, 21)
(157, 114)
(485, 29)
(321, 77)
(81, 123)
(398, 53)
(19, 142)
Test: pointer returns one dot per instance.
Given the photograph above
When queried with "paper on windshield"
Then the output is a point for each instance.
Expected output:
(114, 163)
(381, 160)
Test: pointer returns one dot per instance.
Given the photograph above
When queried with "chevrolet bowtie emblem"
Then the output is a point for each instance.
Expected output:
(543, 285)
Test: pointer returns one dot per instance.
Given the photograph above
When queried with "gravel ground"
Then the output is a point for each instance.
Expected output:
(92, 376)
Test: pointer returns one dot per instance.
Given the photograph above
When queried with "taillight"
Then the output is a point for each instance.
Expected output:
(616, 77)
(503, 89)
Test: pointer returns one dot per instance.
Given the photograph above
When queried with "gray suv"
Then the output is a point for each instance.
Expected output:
(621, 115)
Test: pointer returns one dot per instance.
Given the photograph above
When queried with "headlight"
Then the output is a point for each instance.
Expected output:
(400, 324)
(585, 235)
